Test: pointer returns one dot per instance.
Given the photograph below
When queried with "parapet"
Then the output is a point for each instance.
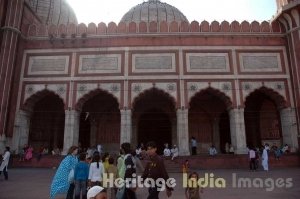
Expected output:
(153, 27)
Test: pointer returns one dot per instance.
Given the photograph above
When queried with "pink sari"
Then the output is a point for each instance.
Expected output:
(28, 155)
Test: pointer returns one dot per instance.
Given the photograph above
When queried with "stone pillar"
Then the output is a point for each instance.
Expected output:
(183, 132)
(2, 143)
(9, 37)
(237, 130)
(71, 132)
(126, 126)
(289, 127)
(174, 132)
(216, 134)
(21, 130)
(93, 133)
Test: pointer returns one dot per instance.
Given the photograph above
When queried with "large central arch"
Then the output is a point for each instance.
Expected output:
(209, 119)
(154, 118)
(47, 118)
(262, 117)
(99, 120)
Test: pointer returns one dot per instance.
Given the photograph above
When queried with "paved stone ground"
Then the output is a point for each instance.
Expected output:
(34, 184)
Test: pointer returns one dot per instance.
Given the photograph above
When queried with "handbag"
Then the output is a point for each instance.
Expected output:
(120, 192)
(71, 176)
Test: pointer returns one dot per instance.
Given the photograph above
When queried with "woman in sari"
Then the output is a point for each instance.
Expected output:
(28, 153)
(60, 183)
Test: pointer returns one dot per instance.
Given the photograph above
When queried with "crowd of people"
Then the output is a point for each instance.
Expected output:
(82, 174)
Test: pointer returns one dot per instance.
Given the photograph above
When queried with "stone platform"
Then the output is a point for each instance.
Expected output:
(34, 183)
(223, 161)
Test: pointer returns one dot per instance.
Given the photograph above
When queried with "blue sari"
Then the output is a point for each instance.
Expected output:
(60, 183)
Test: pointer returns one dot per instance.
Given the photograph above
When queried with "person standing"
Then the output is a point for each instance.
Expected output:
(96, 171)
(193, 190)
(28, 154)
(252, 159)
(194, 145)
(175, 152)
(265, 158)
(81, 174)
(112, 171)
(154, 170)
(60, 183)
(4, 163)
(130, 172)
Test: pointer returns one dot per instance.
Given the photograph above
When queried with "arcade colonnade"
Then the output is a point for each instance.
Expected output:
(127, 129)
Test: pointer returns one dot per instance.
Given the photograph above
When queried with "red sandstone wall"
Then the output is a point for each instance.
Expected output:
(73, 30)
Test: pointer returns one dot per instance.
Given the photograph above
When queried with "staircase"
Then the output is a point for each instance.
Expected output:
(222, 161)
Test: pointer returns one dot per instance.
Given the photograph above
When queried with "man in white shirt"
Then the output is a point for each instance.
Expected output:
(212, 151)
(252, 159)
(194, 145)
(4, 163)
(175, 152)
(167, 152)
(99, 149)
(265, 158)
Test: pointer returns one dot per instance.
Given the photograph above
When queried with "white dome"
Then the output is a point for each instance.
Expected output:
(53, 11)
(153, 10)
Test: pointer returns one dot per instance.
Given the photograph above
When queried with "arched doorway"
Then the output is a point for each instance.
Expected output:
(209, 120)
(154, 119)
(262, 119)
(47, 121)
(100, 121)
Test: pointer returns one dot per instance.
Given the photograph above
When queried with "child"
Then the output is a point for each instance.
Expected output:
(112, 170)
(193, 190)
(81, 174)
(185, 167)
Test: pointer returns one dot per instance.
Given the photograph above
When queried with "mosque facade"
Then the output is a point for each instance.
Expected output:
(153, 75)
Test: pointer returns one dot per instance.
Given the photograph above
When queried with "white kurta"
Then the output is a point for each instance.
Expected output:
(265, 159)
(5, 160)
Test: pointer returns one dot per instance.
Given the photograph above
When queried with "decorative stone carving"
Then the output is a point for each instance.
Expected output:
(153, 63)
(107, 63)
(278, 86)
(137, 88)
(48, 65)
(195, 87)
(249, 87)
(171, 87)
(115, 88)
(112, 88)
(59, 89)
(260, 62)
(207, 62)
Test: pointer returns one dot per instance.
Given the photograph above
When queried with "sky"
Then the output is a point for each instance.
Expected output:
(112, 10)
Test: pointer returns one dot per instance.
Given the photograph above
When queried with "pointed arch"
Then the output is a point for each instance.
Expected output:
(208, 115)
(279, 100)
(262, 116)
(154, 117)
(34, 98)
(81, 101)
(146, 92)
(215, 92)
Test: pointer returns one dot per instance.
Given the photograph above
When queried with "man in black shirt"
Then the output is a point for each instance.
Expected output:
(154, 170)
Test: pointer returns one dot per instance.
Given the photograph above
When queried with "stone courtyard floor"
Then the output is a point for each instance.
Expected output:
(35, 183)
